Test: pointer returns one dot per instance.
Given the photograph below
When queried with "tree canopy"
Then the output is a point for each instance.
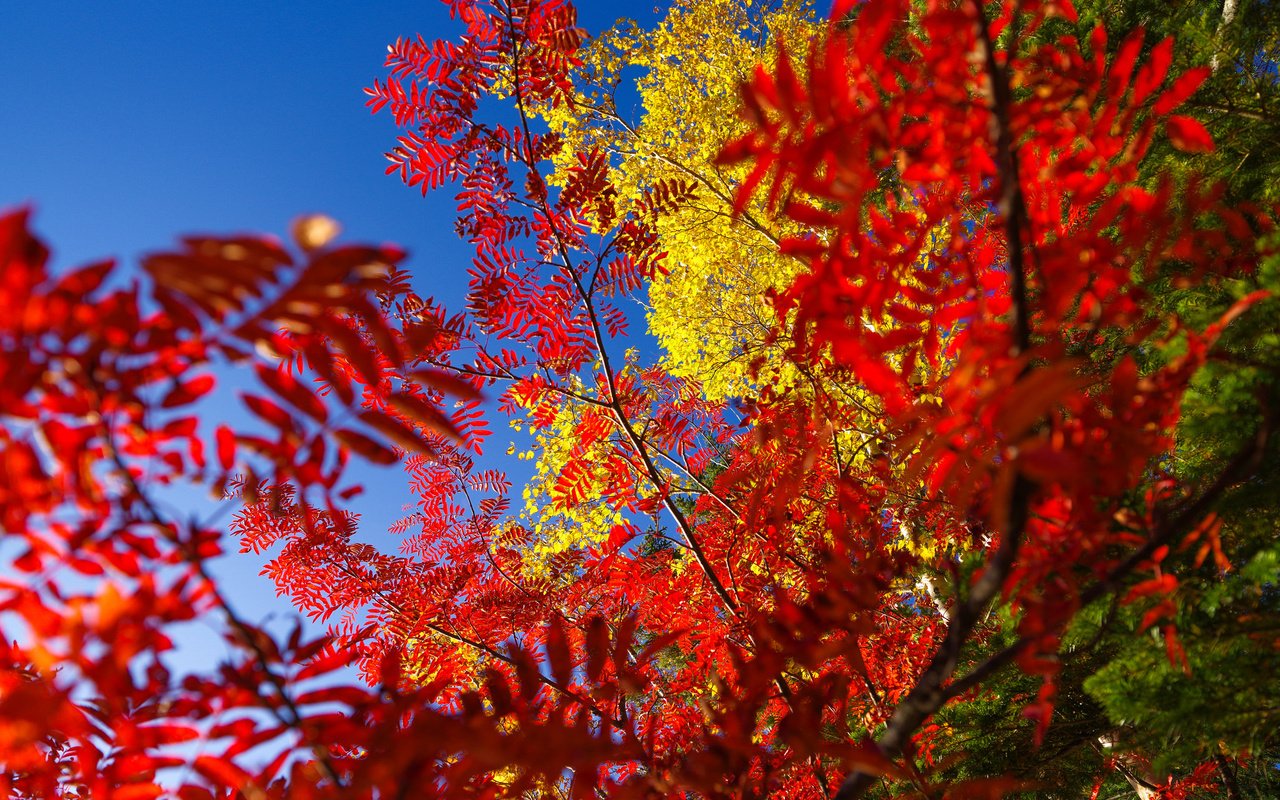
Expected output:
(944, 466)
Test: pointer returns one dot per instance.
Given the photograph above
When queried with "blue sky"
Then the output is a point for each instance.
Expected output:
(129, 123)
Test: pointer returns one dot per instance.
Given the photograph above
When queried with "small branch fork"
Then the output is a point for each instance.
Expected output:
(610, 373)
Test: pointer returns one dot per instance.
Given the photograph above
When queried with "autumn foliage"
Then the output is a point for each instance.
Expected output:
(956, 435)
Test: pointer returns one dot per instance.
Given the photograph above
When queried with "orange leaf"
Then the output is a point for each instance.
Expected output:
(1173, 649)
(1164, 584)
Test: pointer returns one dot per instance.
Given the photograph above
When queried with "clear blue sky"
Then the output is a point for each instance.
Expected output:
(128, 123)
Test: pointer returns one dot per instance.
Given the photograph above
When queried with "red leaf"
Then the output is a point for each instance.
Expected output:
(188, 392)
(1188, 135)
(365, 447)
(1154, 71)
(270, 412)
(1173, 649)
(425, 413)
(558, 654)
(597, 647)
(163, 734)
(1182, 88)
(223, 773)
(446, 382)
(397, 431)
(1122, 66)
(288, 387)
(226, 448)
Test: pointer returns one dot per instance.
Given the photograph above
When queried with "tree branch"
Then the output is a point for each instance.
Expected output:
(929, 694)
(623, 419)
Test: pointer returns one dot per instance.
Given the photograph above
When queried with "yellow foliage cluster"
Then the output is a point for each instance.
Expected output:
(661, 103)
(558, 525)
(709, 312)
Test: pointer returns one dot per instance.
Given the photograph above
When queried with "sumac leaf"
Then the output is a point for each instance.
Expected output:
(365, 447)
(1188, 135)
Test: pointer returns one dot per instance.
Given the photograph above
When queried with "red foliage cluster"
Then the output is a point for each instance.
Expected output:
(970, 299)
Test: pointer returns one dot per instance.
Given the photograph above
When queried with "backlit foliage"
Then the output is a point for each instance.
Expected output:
(708, 307)
(881, 498)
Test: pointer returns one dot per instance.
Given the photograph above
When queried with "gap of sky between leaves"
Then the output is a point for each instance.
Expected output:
(129, 124)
